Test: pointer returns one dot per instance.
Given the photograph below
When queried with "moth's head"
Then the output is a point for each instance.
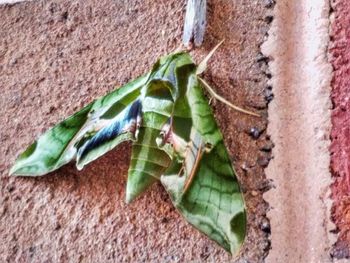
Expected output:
(176, 59)
(170, 67)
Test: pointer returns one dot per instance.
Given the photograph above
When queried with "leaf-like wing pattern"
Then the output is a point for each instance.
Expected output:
(174, 137)
(148, 162)
(206, 192)
(122, 127)
(60, 145)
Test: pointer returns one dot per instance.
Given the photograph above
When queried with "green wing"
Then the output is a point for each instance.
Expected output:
(101, 124)
(201, 181)
(148, 162)
(175, 139)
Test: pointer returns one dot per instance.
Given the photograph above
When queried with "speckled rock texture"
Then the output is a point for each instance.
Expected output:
(55, 57)
(340, 148)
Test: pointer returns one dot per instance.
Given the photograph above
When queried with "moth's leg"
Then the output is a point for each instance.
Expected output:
(194, 154)
(193, 171)
(180, 173)
(138, 122)
(200, 69)
(168, 136)
(165, 134)
(222, 99)
(203, 65)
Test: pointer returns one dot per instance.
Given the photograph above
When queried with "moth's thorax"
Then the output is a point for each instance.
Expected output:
(173, 70)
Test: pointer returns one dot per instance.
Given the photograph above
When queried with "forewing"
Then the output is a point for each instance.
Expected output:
(122, 127)
(60, 144)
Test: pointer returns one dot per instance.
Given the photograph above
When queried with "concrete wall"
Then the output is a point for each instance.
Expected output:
(299, 124)
(56, 56)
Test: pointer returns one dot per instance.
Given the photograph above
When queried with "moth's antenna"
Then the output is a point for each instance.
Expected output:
(203, 65)
(200, 69)
(223, 100)
(182, 48)
(178, 49)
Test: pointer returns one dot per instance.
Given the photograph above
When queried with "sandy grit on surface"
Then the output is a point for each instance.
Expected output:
(56, 56)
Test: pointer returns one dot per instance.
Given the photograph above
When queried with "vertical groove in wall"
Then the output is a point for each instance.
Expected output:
(299, 123)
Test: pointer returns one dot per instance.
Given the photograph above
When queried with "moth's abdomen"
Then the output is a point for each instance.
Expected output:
(148, 161)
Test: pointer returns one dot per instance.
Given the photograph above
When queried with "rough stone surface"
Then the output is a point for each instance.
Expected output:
(340, 148)
(299, 124)
(56, 56)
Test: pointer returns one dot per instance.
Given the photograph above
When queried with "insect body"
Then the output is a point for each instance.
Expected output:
(175, 139)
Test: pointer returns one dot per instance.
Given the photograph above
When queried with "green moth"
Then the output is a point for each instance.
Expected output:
(175, 140)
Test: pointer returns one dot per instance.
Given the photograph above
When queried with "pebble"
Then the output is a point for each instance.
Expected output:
(254, 193)
(269, 19)
(254, 132)
(267, 147)
(269, 3)
(269, 95)
(262, 58)
(265, 226)
(263, 161)
(244, 167)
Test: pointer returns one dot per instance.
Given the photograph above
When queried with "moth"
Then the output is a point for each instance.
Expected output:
(175, 140)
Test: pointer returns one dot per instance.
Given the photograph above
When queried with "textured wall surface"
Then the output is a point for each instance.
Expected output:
(340, 148)
(56, 56)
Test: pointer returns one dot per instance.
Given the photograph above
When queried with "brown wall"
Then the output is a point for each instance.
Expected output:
(340, 148)
(56, 56)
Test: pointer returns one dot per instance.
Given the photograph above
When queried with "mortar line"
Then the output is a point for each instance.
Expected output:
(299, 124)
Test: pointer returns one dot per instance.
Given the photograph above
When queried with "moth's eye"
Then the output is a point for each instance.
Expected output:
(208, 147)
(90, 113)
(182, 172)
(160, 140)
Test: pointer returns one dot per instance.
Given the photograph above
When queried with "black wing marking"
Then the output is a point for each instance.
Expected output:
(127, 121)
